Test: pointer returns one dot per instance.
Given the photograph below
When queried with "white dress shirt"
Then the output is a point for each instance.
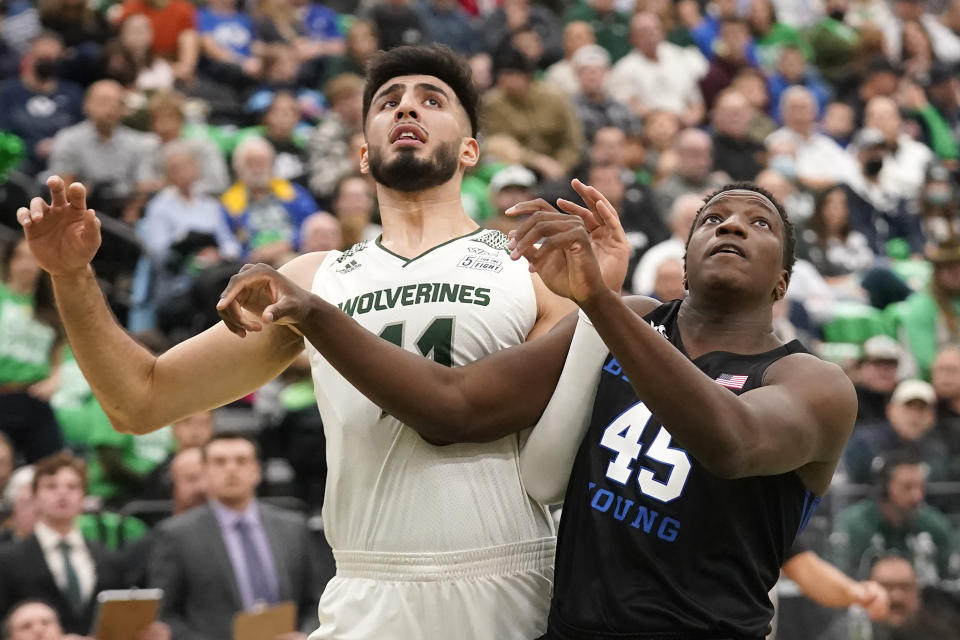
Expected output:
(670, 82)
(80, 558)
(817, 157)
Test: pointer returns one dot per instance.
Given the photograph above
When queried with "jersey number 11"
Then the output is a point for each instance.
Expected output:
(435, 342)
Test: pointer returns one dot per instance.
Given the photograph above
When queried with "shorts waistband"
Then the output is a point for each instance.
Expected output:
(447, 565)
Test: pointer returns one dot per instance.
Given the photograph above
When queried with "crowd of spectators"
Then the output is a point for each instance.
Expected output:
(215, 133)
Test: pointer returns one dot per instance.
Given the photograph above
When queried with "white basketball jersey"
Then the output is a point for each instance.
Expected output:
(389, 490)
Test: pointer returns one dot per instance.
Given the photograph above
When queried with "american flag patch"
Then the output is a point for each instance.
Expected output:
(731, 381)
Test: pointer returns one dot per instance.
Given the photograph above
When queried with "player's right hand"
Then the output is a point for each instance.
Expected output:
(63, 235)
(259, 294)
(607, 238)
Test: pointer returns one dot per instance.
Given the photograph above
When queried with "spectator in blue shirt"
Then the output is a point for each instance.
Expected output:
(227, 43)
(322, 27)
(792, 68)
(38, 104)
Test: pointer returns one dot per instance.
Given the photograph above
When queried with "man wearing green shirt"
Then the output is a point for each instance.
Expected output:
(611, 28)
(896, 520)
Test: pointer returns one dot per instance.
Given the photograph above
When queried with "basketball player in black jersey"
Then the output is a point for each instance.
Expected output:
(709, 442)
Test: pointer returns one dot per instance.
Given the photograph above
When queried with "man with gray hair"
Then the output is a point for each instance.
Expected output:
(820, 162)
(264, 211)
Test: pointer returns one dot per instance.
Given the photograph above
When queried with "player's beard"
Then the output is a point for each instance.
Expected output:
(408, 173)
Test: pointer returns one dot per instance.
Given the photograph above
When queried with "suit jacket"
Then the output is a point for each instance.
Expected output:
(190, 562)
(24, 574)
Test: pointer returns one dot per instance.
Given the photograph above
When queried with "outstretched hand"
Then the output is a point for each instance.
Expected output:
(63, 235)
(578, 253)
(607, 239)
(259, 295)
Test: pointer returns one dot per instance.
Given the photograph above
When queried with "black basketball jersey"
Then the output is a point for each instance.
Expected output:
(652, 545)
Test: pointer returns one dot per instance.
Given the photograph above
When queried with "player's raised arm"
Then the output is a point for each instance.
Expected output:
(499, 394)
(138, 391)
(800, 417)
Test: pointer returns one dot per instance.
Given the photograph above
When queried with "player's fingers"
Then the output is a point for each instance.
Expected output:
(583, 213)
(23, 217)
(556, 243)
(279, 310)
(38, 208)
(541, 225)
(610, 218)
(592, 196)
(58, 191)
(230, 314)
(530, 206)
(77, 195)
(248, 276)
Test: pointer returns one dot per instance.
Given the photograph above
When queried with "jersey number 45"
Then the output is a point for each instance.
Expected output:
(623, 437)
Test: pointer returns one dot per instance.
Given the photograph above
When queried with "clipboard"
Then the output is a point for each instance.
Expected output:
(123, 613)
(266, 622)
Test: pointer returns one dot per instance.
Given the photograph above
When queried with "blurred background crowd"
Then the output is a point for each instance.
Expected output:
(224, 132)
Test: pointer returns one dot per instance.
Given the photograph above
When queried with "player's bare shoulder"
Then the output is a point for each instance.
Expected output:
(303, 268)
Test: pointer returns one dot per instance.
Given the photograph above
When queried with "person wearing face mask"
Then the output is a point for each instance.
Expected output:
(875, 211)
(37, 104)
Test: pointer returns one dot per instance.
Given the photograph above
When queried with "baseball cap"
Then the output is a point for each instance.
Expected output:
(512, 176)
(881, 348)
(913, 390)
(591, 55)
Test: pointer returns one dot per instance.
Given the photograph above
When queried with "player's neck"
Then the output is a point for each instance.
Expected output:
(415, 222)
(707, 324)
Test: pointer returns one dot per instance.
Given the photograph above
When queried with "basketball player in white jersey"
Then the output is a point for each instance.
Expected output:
(430, 541)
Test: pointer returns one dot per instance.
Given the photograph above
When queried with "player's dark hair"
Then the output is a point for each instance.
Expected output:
(230, 434)
(789, 235)
(434, 60)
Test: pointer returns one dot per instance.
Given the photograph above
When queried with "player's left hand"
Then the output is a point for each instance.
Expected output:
(259, 294)
(557, 246)
(607, 238)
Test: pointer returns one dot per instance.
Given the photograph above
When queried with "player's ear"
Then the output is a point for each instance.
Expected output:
(469, 152)
(781, 289)
(364, 159)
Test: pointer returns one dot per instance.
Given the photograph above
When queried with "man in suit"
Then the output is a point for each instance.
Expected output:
(224, 557)
(55, 563)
